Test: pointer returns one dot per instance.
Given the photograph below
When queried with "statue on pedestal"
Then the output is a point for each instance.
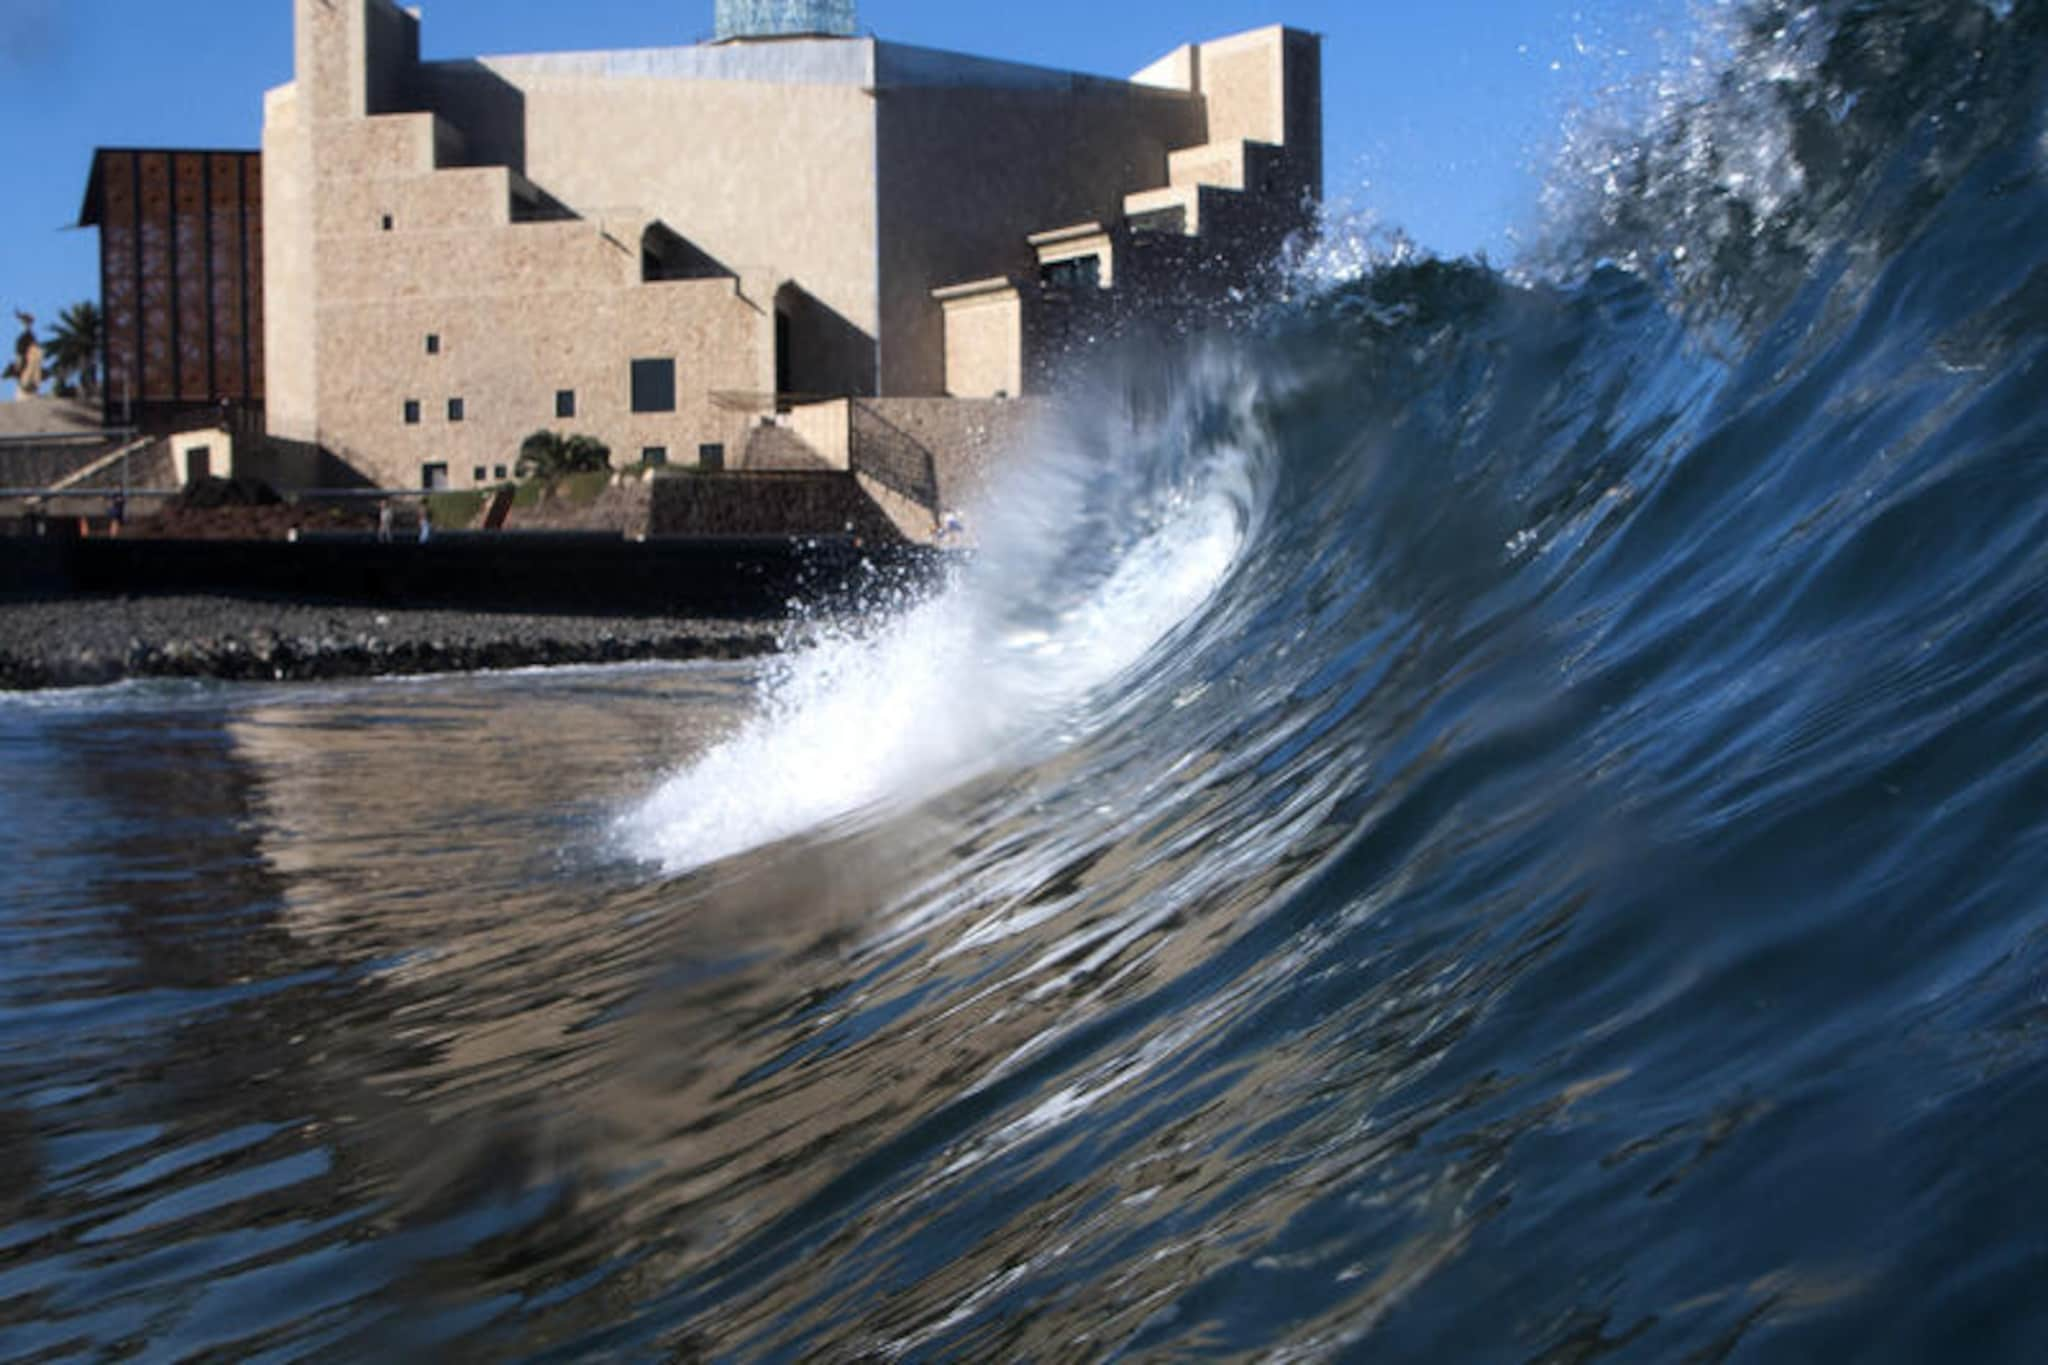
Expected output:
(27, 369)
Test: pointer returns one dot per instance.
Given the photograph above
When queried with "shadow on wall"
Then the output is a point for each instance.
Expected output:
(818, 352)
(488, 110)
(666, 254)
(291, 465)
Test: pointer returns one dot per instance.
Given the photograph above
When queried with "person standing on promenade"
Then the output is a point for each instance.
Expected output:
(384, 521)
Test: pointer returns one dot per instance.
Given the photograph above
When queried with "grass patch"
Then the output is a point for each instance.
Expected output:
(582, 489)
(453, 511)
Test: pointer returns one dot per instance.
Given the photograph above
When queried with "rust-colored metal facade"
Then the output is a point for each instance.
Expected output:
(181, 286)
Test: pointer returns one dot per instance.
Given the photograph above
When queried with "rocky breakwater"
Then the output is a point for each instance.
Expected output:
(83, 641)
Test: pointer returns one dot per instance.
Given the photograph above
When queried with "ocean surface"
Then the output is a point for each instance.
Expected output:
(1467, 815)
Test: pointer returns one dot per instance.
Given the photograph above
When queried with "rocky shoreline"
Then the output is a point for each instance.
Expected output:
(85, 641)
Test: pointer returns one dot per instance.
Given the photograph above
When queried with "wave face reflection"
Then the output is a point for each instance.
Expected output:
(1479, 818)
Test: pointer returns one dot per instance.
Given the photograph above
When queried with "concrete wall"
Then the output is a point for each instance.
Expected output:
(753, 503)
(825, 428)
(1173, 248)
(969, 442)
(505, 357)
(1264, 86)
(772, 180)
(967, 172)
(379, 244)
(983, 335)
(499, 206)
(291, 309)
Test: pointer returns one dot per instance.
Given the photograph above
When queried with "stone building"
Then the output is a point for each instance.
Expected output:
(667, 248)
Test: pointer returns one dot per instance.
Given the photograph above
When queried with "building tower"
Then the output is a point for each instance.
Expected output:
(785, 19)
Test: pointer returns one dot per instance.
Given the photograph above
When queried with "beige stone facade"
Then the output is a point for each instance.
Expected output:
(659, 248)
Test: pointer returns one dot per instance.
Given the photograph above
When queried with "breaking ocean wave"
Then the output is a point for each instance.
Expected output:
(1474, 816)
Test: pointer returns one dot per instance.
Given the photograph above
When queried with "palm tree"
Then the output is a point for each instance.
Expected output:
(74, 348)
(549, 455)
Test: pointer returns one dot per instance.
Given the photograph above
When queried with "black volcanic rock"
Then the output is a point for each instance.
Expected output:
(84, 641)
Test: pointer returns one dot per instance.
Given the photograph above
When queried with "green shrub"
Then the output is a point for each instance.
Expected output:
(549, 455)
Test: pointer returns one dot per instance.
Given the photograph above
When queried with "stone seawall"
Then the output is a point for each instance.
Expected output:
(768, 502)
(759, 576)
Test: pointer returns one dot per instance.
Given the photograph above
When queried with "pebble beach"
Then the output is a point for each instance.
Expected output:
(85, 641)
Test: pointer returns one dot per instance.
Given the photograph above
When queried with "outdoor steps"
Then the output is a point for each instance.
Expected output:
(76, 479)
(776, 447)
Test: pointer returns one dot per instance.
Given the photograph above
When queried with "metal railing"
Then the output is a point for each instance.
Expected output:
(891, 456)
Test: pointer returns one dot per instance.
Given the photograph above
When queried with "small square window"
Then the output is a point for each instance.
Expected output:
(412, 412)
(497, 471)
(455, 409)
(711, 456)
(476, 475)
(434, 477)
(654, 385)
(433, 343)
(565, 402)
(654, 455)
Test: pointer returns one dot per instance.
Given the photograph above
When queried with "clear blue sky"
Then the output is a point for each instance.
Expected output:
(1439, 115)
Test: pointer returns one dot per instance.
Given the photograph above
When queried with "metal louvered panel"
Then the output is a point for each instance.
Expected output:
(781, 18)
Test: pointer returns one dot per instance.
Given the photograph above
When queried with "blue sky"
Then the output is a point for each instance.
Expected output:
(1439, 116)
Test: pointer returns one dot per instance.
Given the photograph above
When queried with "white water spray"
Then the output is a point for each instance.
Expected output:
(1063, 595)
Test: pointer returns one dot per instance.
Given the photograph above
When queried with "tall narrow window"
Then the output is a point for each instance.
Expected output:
(654, 385)
(433, 343)
(387, 222)
(412, 412)
(565, 402)
(455, 409)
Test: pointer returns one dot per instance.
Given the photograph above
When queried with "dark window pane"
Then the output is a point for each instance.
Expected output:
(565, 402)
(711, 456)
(654, 385)
(654, 455)
(1083, 272)
(433, 343)
(412, 412)
(455, 409)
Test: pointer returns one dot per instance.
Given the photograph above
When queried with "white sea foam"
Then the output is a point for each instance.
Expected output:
(1063, 595)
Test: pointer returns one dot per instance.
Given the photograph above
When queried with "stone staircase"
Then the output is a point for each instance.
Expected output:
(777, 447)
(89, 476)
